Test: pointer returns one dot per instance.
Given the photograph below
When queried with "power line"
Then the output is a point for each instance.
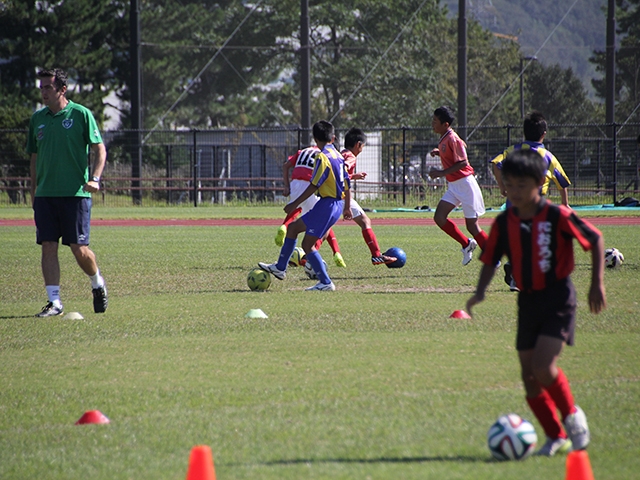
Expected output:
(197, 77)
(366, 77)
(523, 70)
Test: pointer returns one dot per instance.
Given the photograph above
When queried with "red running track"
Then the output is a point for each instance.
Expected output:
(244, 222)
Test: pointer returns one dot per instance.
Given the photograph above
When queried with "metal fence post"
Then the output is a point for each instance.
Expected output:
(195, 167)
(404, 165)
(615, 161)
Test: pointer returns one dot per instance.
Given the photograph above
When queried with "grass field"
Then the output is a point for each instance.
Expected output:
(371, 381)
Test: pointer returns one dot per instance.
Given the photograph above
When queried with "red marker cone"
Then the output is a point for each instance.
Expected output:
(459, 314)
(92, 416)
(579, 466)
(201, 464)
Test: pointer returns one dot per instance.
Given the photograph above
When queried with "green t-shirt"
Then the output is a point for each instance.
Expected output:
(61, 142)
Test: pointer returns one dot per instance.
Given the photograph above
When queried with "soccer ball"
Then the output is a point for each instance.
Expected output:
(399, 254)
(511, 438)
(308, 270)
(258, 280)
(613, 258)
(296, 257)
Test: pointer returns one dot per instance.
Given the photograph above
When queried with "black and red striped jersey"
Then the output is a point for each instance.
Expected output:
(539, 249)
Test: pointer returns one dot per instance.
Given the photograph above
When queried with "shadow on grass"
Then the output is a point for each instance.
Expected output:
(298, 461)
(15, 317)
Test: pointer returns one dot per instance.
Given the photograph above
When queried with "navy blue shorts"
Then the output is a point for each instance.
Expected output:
(66, 217)
(324, 214)
(550, 312)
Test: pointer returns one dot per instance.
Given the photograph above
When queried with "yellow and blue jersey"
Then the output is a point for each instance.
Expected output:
(555, 171)
(330, 174)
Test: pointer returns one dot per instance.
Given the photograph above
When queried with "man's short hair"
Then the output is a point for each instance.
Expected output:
(445, 115)
(60, 77)
(323, 131)
(353, 136)
(535, 126)
(525, 162)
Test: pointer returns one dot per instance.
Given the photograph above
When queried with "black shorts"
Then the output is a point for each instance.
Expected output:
(550, 312)
(66, 217)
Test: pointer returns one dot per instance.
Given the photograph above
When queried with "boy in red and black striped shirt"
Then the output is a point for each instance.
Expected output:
(537, 237)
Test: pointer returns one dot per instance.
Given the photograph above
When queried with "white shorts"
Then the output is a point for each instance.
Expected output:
(356, 209)
(466, 192)
(297, 187)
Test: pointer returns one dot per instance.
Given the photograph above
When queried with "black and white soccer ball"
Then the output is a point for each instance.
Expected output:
(613, 258)
(511, 437)
(308, 270)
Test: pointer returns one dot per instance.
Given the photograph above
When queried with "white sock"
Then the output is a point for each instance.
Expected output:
(96, 280)
(53, 292)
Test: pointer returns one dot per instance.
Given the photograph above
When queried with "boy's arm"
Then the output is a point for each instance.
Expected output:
(497, 173)
(437, 172)
(286, 167)
(564, 197)
(486, 275)
(310, 190)
(346, 211)
(597, 298)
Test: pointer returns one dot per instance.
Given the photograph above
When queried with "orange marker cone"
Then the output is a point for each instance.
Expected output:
(201, 464)
(459, 314)
(92, 416)
(579, 466)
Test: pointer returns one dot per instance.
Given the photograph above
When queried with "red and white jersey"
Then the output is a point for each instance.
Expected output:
(453, 150)
(303, 163)
(349, 161)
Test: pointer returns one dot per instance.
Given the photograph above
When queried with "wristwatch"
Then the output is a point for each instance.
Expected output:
(95, 179)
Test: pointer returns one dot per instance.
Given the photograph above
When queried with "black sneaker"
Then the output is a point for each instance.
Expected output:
(50, 310)
(508, 278)
(100, 299)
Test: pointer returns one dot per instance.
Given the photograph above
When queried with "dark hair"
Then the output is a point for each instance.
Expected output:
(323, 131)
(524, 162)
(59, 77)
(535, 126)
(445, 115)
(353, 136)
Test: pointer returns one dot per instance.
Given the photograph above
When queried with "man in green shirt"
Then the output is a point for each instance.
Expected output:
(60, 135)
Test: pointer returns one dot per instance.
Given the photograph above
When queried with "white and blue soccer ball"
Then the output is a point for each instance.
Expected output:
(308, 270)
(511, 437)
(613, 258)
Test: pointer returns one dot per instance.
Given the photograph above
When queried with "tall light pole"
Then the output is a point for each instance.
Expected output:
(529, 58)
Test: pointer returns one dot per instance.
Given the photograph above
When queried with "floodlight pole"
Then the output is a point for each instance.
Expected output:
(136, 96)
(462, 69)
(305, 74)
(522, 59)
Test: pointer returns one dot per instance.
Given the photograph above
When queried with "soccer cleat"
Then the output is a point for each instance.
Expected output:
(50, 310)
(512, 286)
(273, 270)
(577, 429)
(322, 287)
(553, 446)
(337, 257)
(282, 232)
(383, 260)
(100, 299)
(467, 252)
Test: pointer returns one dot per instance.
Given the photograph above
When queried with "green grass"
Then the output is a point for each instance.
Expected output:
(371, 381)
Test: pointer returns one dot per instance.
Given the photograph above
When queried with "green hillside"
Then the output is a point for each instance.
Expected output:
(579, 31)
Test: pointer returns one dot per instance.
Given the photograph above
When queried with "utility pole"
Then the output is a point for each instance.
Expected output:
(522, 59)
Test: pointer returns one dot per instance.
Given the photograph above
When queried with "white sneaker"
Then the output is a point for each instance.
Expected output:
(273, 270)
(323, 287)
(467, 252)
(553, 446)
(577, 429)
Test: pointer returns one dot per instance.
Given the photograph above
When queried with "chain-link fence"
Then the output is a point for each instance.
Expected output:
(245, 165)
